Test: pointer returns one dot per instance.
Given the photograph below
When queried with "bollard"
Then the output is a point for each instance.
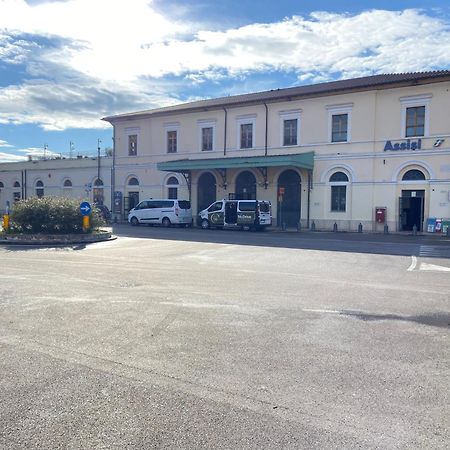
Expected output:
(299, 226)
(360, 227)
(414, 230)
(283, 226)
(335, 227)
(313, 226)
(386, 228)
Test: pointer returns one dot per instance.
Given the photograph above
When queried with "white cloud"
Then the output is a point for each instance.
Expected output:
(5, 144)
(9, 157)
(110, 56)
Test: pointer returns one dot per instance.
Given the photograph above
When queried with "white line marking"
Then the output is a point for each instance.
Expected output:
(434, 268)
(329, 311)
(413, 264)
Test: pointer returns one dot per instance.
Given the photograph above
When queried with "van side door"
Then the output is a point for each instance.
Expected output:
(216, 214)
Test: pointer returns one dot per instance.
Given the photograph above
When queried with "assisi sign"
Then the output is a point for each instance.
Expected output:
(403, 145)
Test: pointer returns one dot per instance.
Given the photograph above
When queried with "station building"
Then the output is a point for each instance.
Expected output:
(373, 151)
(78, 178)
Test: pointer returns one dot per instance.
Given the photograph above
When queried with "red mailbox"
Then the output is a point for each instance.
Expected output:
(380, 214)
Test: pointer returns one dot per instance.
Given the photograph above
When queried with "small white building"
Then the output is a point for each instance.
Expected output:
(87, 178)
(372, 150)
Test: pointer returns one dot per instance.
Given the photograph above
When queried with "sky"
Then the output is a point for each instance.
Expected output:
(65, 64)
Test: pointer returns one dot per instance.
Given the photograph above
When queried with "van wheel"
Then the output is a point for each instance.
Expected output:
(166, 222)
(134, 221)
(205, 224)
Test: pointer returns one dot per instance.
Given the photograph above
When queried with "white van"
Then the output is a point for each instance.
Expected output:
(245, 214)
(164, 212)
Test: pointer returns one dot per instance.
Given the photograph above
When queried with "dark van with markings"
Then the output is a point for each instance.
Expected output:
(244, 214)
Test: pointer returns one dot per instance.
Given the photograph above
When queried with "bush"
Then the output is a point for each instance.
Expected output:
(50, 215)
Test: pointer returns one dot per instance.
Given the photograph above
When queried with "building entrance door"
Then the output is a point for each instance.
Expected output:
(289, 206)
(206, 191)
(411, 209)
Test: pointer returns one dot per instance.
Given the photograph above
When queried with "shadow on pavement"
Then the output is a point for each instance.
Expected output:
(391, 244)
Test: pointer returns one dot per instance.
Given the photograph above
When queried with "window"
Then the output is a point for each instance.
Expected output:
(339, 122)
(290, 132)
(184, 204)
(207, 139)
(39, 189)
(415, 121)
(215, 207)
(339, 182)
(246, 135)
(16, 184)
(1, 185)
(172, 188)
(247, 206)
(413, 175)
(67, 184)
(415, 115)
(132, 145)
(133, 181)
(339, 125)
(17, 196)
(172, 141)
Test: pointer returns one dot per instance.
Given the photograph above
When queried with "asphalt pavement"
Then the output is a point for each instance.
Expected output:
(191, 339)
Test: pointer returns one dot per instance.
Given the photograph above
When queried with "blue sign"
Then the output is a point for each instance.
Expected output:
(85, 208)
(405, 145)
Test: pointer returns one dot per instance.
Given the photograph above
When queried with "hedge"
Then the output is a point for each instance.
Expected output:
(51, 215)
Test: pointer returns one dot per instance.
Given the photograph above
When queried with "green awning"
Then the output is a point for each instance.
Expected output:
(301, 160)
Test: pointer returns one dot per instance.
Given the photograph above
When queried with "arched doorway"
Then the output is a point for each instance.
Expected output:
(412, 200)
(206, 191)
(246, 186)
(289, 208)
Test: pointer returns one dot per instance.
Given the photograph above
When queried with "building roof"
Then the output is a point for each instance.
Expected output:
(383, 81)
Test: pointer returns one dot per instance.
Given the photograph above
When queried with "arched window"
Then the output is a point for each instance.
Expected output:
(339, 181)
(98, 182)
(338, 177)
(67, 184)
(1, 185)
(39, 188)
(16, 184)
(413, 175)
(133, 181)
(172, 188)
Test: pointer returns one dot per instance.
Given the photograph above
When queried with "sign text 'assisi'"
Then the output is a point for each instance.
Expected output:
(404, 145)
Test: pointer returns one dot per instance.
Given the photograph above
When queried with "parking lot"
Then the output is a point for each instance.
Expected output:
(174, 338)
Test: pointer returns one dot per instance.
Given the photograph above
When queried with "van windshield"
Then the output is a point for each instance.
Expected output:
(184, 204)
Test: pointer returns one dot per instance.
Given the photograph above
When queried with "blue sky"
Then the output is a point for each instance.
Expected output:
(65, 64)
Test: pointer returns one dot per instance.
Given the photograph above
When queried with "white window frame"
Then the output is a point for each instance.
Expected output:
(130, 131)
(174, 126)
(336, 110)
(411, 102)
(289, 115)
(246, 120)
(206, 124)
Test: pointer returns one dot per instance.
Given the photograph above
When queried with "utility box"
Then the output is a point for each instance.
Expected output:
(380, 214)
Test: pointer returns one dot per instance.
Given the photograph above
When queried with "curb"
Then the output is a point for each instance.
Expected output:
(57, 241)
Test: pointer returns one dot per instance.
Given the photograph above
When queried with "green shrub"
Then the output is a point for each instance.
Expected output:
(51, 215)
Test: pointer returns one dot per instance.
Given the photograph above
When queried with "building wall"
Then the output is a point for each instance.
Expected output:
(374, 174)
(53, 173)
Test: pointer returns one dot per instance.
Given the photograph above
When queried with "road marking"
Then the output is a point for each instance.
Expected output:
(329, 311)
(434, 268)
(413, 264)
(433, 250)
